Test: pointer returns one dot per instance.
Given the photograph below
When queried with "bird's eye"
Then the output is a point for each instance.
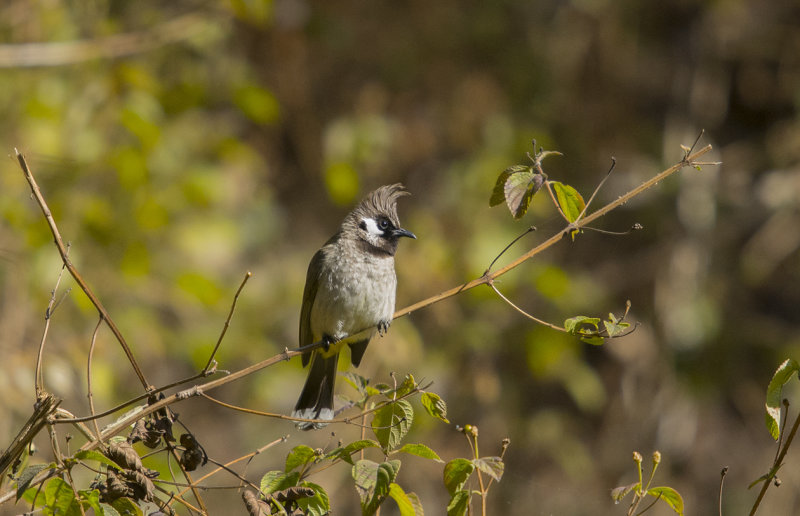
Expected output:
(384, 224)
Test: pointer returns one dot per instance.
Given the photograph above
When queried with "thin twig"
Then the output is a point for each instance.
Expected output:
(90, 394)
(721, 483)
(62, 250)
(523, 312)
(777, 465)
(530, 229)
(687, 161)
(227, 322)
(599, 186)
(39, 380)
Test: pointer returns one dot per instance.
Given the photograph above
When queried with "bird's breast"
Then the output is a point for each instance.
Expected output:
(356, 291)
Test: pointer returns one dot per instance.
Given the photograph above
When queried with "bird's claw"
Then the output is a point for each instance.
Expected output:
(383, 327)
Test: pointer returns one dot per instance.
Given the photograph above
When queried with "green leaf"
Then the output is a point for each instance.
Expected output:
(492, 466)
(618, 493)
(578, 324)
(299, 456)
(407, 386)
(96, 456)
(404, 503)
(420, 450)
(782, 375)
(516, 186)
(92, 499)
(434, 405)
(372, 482)
(108, 510)
(569, 200)
(345, 453)
(317, 505)
(458, 504)
(25, 478)
(415, 501)
(614, 326)
(670, 496)
(126, 507)
(277, 480)
(391, 423)
(60, 497)
(358, 382)
(456, 473)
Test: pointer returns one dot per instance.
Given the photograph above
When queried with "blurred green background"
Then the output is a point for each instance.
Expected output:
(182, 144)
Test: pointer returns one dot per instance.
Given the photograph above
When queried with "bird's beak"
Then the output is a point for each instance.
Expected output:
(400, 232)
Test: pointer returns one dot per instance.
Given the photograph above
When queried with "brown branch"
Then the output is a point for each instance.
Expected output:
(62, 250)
(687, 161)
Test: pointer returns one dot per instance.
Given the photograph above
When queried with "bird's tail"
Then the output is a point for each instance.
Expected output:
(316, 400)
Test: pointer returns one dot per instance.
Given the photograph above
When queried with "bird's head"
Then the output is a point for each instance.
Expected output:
(374, 221)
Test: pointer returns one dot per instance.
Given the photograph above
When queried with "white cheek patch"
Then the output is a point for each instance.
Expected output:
(372, 227)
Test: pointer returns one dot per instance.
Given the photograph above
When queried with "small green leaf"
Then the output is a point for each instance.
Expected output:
(358, 382)
(614, 326)
(578, 324)
(782, 375)
(345, 453)
(492, 466)
(92, 499)
(317, 505)
(277, 480)
(420, 450)
(516, 186)
(594, 340)
(25, 478)
(458, 504)
(404, 503)
(456, 473)
(126, 507)
(96, 456)
(392, 422)
(670, 496)
(108, 510)
(618, 493)
(499, 191)
(434, 405)
(407, 386)
(569, 200)
(299, 456)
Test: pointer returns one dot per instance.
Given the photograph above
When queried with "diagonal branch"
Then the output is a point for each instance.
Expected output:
(62, 250)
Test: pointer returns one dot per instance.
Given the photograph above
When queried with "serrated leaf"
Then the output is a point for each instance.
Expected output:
(96, 456)
(420, 450)
(345, 453)
(391, 423)
(499, 190)
(25, 478)
(458, 504)
(618, 493)
(434, 405)
(492, 466)
(299, 456)
(317, 505)
(60, 497)
(569, 200)
(372, 482)
(456, 473)
(782, 375)
(614, 327)
(407, 386)
(403, 501)
(669, 496)
(277, 480)
(126, 507)
(415, 501)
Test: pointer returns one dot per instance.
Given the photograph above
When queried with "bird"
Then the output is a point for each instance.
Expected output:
(349, 296)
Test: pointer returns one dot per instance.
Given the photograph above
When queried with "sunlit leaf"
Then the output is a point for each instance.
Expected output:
(299, 456)
(668, 495)
(420, 450)
(391, 423)
(345, 452)
(25, 478)
(372, 482)
(458, 504)
(782, 375)
(569, 200)
(317, 505)
(516, 186)
(434, 405)
(618, 493)
(277, 480)
(404, 503)
(126, 507)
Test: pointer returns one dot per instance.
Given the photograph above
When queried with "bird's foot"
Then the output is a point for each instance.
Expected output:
(383, 327)
(327, 341)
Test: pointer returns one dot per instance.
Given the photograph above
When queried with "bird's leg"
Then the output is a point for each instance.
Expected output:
(383, 327)
(327, 340)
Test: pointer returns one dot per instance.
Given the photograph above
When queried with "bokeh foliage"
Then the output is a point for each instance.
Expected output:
(187, 142)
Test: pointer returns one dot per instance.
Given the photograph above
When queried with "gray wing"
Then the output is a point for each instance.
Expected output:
(309, 294)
